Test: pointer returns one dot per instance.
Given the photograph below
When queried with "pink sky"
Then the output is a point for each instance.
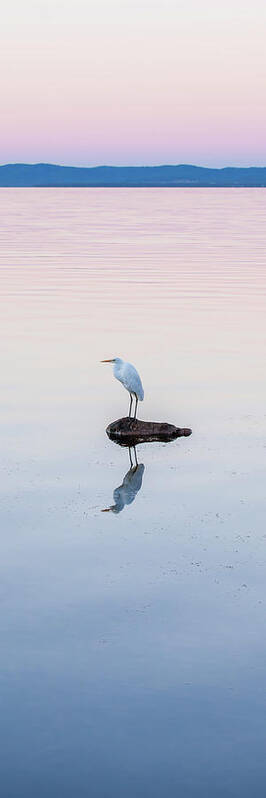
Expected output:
(106, 81)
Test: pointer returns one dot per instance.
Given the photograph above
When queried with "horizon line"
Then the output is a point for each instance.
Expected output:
(126, 166)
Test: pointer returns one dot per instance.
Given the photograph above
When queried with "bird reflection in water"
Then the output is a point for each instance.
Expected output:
(132, 482)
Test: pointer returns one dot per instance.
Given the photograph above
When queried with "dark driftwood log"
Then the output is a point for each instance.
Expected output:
(129, 431)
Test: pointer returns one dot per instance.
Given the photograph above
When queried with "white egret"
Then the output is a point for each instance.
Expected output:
(128, 375)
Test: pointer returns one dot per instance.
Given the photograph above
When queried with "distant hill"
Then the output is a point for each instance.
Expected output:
(42, 174)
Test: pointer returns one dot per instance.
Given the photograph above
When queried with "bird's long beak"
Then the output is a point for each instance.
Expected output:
(108, 361)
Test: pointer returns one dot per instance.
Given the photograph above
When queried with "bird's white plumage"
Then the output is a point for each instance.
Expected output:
(128, 375)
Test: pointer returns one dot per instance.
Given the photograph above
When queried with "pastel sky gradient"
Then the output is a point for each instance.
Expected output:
(111, 81)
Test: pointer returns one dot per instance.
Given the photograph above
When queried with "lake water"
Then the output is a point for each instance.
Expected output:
(133, 646)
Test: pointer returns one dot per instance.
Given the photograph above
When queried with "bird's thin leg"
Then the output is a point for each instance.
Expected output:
(130, 457)
(135, 415)
(135, 455)
(130, 406)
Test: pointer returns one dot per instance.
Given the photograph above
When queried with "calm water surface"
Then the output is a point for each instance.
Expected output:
(133, 645)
